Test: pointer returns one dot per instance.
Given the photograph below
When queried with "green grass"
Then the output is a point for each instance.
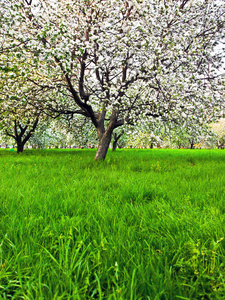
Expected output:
(144, 224)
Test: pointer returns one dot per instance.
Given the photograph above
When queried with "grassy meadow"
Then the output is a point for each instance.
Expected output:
(144, 224)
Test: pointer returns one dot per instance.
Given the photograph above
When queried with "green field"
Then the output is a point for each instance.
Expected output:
(144, 224)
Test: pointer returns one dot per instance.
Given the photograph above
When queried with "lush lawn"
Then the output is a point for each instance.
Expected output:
(144, 224)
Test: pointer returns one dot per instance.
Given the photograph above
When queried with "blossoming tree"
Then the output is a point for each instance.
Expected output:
(219, 129)
(18, 118)
(117, 62)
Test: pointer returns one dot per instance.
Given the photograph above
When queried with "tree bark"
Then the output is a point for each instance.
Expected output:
(114, 145)
(191, 144)
(105, 135)
(116, 138)
(103, 146)
(20, 147)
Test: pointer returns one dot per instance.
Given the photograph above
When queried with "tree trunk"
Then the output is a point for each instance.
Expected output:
(115, 142)
(220, 145)
(114, 145)
(116, 139)
(103, 146)
(20, 147)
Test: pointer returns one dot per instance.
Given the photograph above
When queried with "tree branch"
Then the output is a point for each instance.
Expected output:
(9, 134)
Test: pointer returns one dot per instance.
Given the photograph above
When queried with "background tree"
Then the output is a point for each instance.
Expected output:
(116, 62)
(77, 131)
(18, 118)
(18, 123)
(116, 138)
(219, 129)
(191, 136)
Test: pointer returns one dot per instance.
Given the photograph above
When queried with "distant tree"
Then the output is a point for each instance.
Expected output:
(190, 135)
(219, 129)
(117, 62)
(117, 136)
(18, 118)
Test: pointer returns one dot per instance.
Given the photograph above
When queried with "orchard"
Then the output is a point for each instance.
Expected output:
(115, 63)
(145, 223)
